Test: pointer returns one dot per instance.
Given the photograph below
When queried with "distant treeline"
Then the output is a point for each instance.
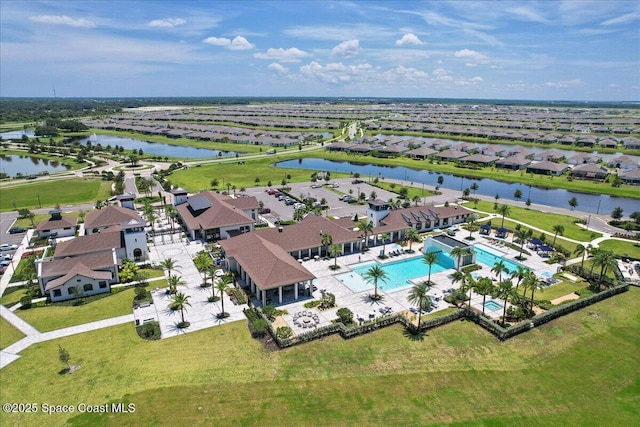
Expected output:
(40, 109)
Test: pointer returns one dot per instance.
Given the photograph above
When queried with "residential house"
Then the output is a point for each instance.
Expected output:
(629, 176)
(548, 168)
(516, 162)
(590, 171)
(623, 162)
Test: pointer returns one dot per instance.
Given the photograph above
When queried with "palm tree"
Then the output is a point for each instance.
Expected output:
(606, 260)
(202, 261)
(171, 214)
(519, 274)
(366, 227)
(169, 264)
(418, 295)
(150, 214)
(384, 237)
(410, 235)
(500, 268)
(458, 252)
(222, 286)
(505, 291)
(174, 282)
(484, 287)
(523, 235)
(326, 241)
(533, 283)
(430, 258)
(504, 210)
(375, 274)
(558, 229)
(582, 251)
(471, 224)
(469, 285)
(474, 188)
(180, 302)
(335, 250)
(211, 272)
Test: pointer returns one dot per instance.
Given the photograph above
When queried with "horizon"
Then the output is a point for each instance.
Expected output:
(569, 51)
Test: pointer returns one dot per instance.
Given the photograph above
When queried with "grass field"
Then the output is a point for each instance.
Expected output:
(52, 192)
(8, 334)
(622, 248)
(574, 371)
(11, 296)
(54, 317)
(543, 220)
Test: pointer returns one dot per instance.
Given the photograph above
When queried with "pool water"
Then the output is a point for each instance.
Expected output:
(400, 273)
(489, 258)
(492, 305)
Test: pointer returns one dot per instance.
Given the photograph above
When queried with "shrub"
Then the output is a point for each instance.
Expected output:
(328, 301)
(312, 304)
(259, 328)
(149, 331)
(469, 268)
(284, 332)
(240, 295)
(251, 314)
(141, 293)
(345, 315)
(269, 311)
(213, 299)
(25, 302)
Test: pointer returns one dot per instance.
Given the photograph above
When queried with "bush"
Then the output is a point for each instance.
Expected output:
(328, 301)
(284, 332)
(259, 328)
(25, 302)
(141, 293)
(312, 304)
(213, 299)
(149, 331)
(269, 311)
(469, 268)
(345, 315)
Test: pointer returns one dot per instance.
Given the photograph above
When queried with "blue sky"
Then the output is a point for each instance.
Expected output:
(551, 50)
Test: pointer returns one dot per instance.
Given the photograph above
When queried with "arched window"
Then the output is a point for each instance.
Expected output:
(137, 254)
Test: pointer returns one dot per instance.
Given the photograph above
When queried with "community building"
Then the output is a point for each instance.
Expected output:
(88, 265)
(208, 215)
(57, 226)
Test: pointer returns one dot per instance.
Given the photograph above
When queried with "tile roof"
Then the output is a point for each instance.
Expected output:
(220, 212)
(62, 266)
(97, 242)
(111, 215)
(268, 265)
(79, 269)
(52, 224)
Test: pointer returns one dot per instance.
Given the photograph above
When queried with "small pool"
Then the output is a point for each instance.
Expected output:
(492, 305)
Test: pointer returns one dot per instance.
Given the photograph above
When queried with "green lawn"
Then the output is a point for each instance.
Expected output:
(56, 316)
(543, 220)
(26, 222)
(8, 334)
(11, 296)
(52, 192)
(622, 248)
(574, 371)
(565, 287)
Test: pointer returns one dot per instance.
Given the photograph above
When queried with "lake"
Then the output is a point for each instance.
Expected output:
(156, 148)
(595, 203)
(12, 164)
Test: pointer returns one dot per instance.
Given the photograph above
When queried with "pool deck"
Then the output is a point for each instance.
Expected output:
(364, 308)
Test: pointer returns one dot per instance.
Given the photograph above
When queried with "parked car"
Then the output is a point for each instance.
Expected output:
(264, 211)
(1, 271)
(16, 230)
(7, 256)
(8, 247)
(316, 186)
(335, 185)
(5, 263)
(271, 191)
(298, 206)
(290, 202)
(357, 181)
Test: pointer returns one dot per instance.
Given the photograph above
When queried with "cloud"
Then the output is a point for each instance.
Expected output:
(527, 14)
(336, 73)
(167, 22)
(62, 20)
(623, 19)
(564, 83)
(293, 54)
(472, 57)
(343, 32)
(238, 43)
(346, 49)
(278, 68)
(409, 39)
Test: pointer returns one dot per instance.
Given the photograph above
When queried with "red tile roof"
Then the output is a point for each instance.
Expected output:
(111, 215)
(217, 211)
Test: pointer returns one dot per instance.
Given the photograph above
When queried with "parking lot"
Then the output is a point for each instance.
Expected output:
(338, 208)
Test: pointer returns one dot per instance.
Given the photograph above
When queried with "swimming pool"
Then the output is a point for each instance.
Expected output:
(492, 305)
(488, 257)
(400, 273)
